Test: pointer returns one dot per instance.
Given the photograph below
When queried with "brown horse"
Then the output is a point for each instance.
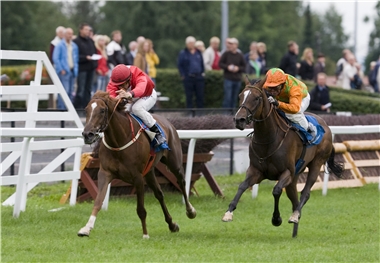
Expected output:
(273, 153)
(124, 154)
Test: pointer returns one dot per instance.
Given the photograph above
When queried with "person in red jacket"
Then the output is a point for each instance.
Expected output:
(131, 83)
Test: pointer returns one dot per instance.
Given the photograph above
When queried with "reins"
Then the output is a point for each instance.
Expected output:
(102, 129)
(276, 117)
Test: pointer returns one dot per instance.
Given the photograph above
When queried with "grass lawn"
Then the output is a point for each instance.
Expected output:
(342, 226)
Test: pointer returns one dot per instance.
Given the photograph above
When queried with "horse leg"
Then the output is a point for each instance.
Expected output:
(284, 180)
(252, 177)
(291, 192)
(305, 195)
(103, 180)
(153, 184)
(174, 163)
(141, 212)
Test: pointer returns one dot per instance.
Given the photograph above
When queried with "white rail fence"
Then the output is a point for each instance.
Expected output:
(72, 144)
(25, 181)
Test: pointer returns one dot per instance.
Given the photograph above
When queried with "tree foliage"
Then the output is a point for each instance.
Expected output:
(374, 40)
(30, 25)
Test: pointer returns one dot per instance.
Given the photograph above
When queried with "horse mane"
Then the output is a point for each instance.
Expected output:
(105, 96)
(257, 83)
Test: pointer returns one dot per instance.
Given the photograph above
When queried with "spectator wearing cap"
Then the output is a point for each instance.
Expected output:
(87, 66)
(191, 69)
(289, 61)
(319, 96)
(319, 66)
(233, 64)
(211, 56)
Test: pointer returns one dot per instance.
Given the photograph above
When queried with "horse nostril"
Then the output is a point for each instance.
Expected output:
(90, 135)
(242, 119)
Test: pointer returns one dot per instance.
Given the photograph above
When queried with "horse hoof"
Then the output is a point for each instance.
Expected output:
(84, 232)
(191, 214)
(175, 228)
(228, 216)
(294, 218)
(145, 236)
(276, 221)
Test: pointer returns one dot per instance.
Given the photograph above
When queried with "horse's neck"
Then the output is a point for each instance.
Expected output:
(266, 130)
(119, 130)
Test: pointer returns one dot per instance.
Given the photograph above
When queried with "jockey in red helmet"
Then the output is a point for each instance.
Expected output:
(292, 95)
(131, 83)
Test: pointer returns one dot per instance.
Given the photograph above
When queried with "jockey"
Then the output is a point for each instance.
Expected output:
(292, 95)
(131, 83)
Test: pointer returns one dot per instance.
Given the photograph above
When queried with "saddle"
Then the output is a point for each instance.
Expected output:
(306, 138)
(156, 148)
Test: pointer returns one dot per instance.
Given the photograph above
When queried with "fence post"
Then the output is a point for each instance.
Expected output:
(189, 165)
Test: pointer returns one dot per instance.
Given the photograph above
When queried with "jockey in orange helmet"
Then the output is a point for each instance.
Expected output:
(292, 95)
(131, 83)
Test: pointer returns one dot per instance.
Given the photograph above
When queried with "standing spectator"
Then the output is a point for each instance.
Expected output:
(252, 48)
(116, 51)
(140, 40)
(350, 72)
(102, 71)
(152, 60)
(59, 31)
(191, 69)
(65, 57)
(340, 66)
(373, 75)
(140, 60)
(132, 52)
(306, 70)
(262, 52)
(211, 56)
(253, 66)
(319, 96)
(289, 61)
(200, 46)
(319, 66)
(377, 70)
(233, 64)
(87, 66)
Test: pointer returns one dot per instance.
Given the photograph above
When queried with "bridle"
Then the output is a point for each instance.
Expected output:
(249, 113)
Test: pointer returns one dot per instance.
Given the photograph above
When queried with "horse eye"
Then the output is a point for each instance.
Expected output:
(102, 111)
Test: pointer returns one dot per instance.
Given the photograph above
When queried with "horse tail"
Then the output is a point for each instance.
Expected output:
(336, 167)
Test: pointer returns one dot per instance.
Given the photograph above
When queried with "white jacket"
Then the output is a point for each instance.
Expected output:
(208, 58)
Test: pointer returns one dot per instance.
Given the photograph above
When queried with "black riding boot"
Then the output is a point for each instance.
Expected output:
(159, 138)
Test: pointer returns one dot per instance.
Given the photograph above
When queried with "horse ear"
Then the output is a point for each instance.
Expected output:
(261, 84)
(247, 81)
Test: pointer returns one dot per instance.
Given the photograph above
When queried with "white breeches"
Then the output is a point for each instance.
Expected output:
(141, 106)
(299, 117)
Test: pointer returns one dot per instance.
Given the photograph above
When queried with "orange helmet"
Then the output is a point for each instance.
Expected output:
(275, 77)
(120, 74)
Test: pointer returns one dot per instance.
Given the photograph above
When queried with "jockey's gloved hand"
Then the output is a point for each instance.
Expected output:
(273, 101)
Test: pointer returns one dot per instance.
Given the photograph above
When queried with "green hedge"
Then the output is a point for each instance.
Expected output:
(170, 85)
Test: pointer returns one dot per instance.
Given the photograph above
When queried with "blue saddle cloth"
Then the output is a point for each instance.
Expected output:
(307, 137)
(153, 143)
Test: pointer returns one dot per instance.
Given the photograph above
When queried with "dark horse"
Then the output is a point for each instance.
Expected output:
(273, 153)
(125, 155)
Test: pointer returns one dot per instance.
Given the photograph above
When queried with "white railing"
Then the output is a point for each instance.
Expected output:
(25, 181)
(194, 135)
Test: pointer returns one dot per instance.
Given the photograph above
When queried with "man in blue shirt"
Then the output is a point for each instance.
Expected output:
(65, 58)
(191, 69)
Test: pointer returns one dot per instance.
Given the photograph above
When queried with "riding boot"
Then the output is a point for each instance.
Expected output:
(159, 138)
(312, 130)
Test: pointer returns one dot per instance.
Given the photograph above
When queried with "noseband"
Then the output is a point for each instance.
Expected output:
(249, 118)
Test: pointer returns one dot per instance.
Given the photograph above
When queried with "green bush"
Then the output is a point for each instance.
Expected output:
(170, 85)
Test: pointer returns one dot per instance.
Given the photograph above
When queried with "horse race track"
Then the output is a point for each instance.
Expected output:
(342, 226)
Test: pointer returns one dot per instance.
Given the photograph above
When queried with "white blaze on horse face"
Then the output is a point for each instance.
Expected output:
(93, 106)
(246, 94)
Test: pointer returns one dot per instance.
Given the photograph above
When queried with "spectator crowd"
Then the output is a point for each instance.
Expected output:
(84, 63)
